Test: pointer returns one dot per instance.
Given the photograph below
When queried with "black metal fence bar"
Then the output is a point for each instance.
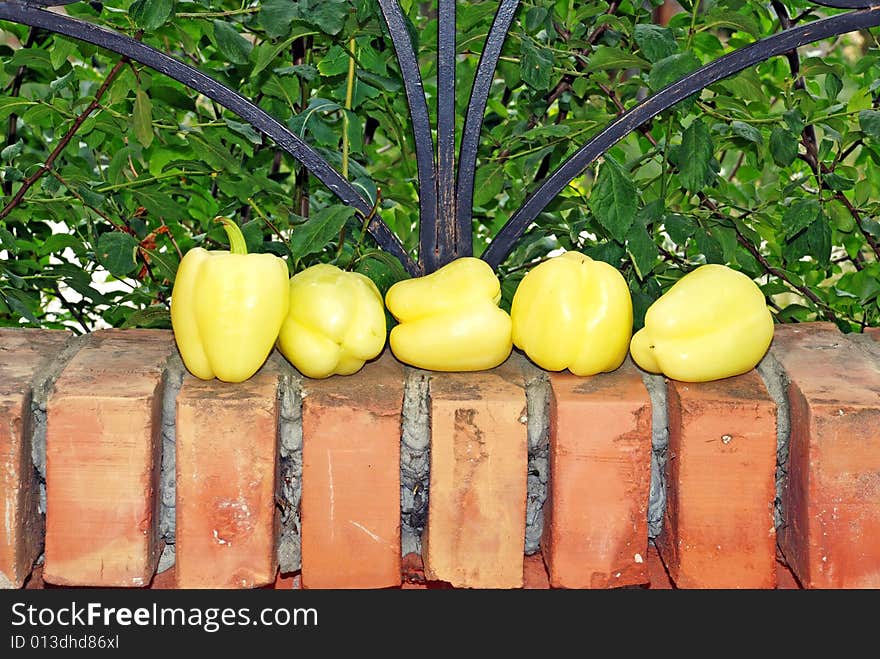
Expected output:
(709, 74)
(470, 137)
(34, 16)
(446, 245)
(421, 127)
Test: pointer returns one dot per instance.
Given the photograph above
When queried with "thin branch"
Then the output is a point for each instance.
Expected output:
(644, 129)
(768, 267)
(64, 141)
(14, 88)
(872, 242)
(71, 307)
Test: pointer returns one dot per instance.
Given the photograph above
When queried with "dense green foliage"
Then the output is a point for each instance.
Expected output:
(112, 171)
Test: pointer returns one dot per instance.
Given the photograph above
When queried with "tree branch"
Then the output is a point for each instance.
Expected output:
(65, 140)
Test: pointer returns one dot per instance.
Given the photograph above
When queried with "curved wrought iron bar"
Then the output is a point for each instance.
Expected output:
(846, 4)
(446, 243)
(719, 69)
(421, 126)
(121, 44)
(473, 123)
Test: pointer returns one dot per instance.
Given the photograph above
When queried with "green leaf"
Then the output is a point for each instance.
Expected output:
(334, 62)
(614, 199)
(608, 57)
(794, 119)
(264, 54)
(142, 118)
(694, 157)
(13, 105)
(383, 269)
(536, 65)
(642, 250)
(783, 146)
(671, 69)
(833, 85)
(231, 44)
(654, 41)
(536, 17)
(709, 247)
(34, 58)
(151, 14)
(151, 317)
(488, 182)
(747, 132)
(735, 20)
(116, 252)
(819, 236)
(12, 151)
(837, 182)
(21, 303)
(62, 48)
(328, 15)
(245, 130)
(321, 228)
(799, 215)
(679, 228)
(253, 235)
(869, 121)
(276, 17)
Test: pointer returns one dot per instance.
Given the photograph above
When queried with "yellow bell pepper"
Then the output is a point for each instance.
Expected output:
(335, 324)
(227, 308)
(450, 319)
(713, 323)
(573, 312)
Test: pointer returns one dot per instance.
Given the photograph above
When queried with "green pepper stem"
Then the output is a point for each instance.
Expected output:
(237, 244)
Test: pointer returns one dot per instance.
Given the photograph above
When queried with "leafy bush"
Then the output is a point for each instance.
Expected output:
(111, 171)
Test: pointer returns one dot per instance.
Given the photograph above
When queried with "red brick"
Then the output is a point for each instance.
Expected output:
(227, 480)
(658, 578)
(475, 533)
(595, 524)
(23, 353)
(103, 455)
(831, 538)
(535, 575)
(873, 332)
(350, 505)
(718, 530)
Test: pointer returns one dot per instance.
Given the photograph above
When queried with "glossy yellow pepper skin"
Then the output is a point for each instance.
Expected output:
(227, 308)
(450, 319)
(712, 324)
(336, 322)
(573, 312)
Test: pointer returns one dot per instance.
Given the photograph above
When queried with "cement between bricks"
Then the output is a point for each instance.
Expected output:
(776, 381)
(172, 380)
(42, 383)
(538, 428)
(656, 386)
(415, 459)
(291, 444)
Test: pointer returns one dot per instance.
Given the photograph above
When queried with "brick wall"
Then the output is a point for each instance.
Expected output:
(117, 468)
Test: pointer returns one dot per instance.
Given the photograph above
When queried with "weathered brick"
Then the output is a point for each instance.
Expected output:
(103, 455)
(718, 528)
(595, 524)
(350, 505)
(535, 575)
(227, 480)
(475, 533)
(23, 352)
(658, 578)
(831, 536)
